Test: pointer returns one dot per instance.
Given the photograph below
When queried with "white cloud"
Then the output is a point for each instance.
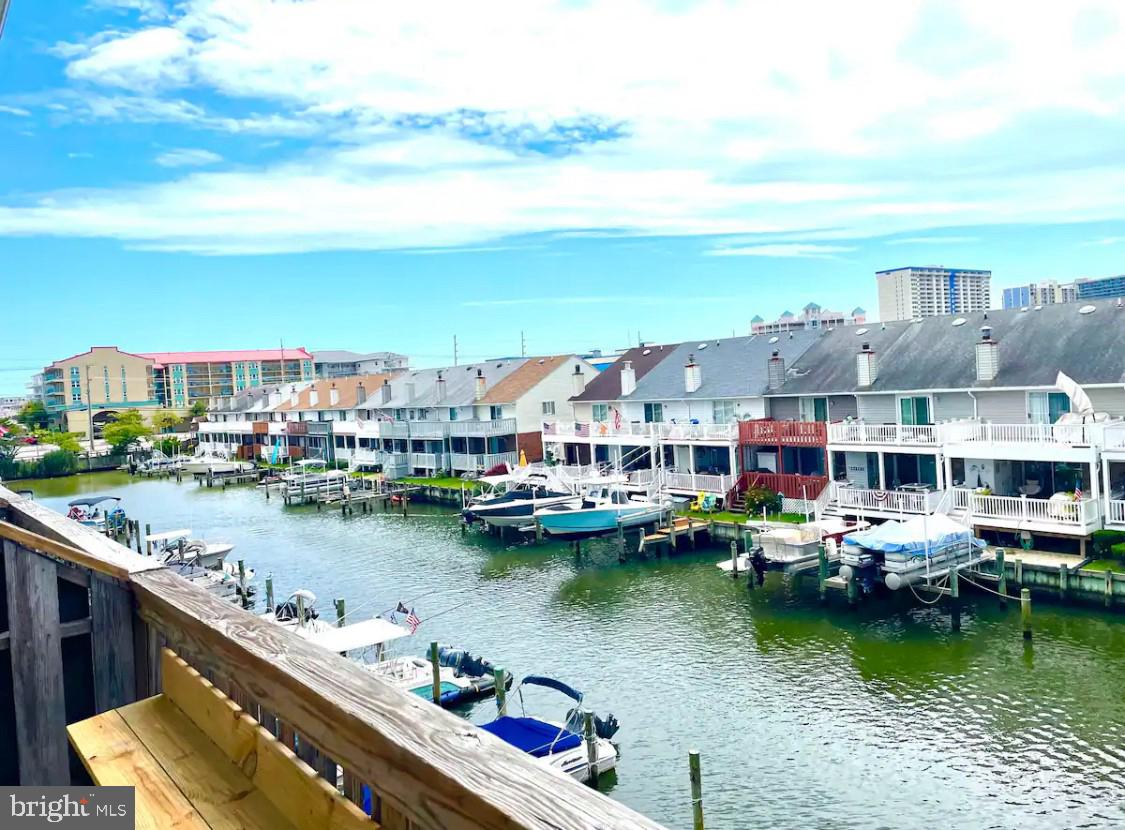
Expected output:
(17, 111)
(726, 118)
(933, 240)
(1107, 240)
(187, 157)
(795, 250)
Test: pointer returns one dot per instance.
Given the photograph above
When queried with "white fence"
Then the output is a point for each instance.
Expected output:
(696, 432)
(1021, 509)
(1116, 512)
(695, 482)
(855, 433)
(888, 501)
(481, 462)
(1071, 435)
(501, 426)
(664, 431)
(427, 460)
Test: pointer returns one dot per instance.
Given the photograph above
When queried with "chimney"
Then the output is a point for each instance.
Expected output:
(775, 371)
(385, 391)
(478, 393)
(333, 396)
(360, 394)
(693, 374)
(411, 392)
(866, 366)
(294, 395)
(988, 355)
(628, 378)
(439, 388)
(275, 398)
(314, 397)
(578, 380)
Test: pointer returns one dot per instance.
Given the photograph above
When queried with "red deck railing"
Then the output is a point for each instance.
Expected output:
(790, 485)
(784, 433)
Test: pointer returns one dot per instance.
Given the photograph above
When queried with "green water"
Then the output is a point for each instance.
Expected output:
(806, 717)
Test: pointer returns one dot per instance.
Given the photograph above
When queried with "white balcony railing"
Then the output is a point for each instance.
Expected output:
(1115, 512)
(697, 432)
(1068, 435)
(597, 429)
(1114, 437)
(500, 426)
(696, 482)
(481, 462)
(888, 501)
(1023, 510)
(892, 434)
(427, 460)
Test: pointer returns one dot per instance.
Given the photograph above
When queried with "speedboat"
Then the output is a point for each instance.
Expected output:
(159, 462)
(89, 512)
(513, 499)
(558, 746)
(600, 510)
(208, 554)
(214, 461)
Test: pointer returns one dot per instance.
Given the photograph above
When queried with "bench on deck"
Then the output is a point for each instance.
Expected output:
(197, 760)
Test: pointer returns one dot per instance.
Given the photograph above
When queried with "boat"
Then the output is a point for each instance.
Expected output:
(559, 746)
(312, 474)
(214, 461)
(908, 552)
(512, 500)
(159, 462)
(600, 510)
(88, 512)
(178, 544)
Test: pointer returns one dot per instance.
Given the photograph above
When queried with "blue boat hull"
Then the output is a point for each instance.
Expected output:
(577, 524)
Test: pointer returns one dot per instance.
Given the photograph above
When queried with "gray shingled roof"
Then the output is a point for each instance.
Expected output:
(460, 384)
(734, 367)
(934, 354)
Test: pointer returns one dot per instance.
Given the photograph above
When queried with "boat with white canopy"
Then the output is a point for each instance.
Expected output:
(179, 544)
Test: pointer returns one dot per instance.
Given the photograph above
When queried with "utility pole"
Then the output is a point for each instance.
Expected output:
(455, 350)
(89, 417)
(3, 15)
(523, 345)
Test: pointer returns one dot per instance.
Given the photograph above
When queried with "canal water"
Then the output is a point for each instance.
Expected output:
(806, 716)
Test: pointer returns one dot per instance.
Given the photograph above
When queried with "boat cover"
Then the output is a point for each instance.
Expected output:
(535, 737)
(371, 632)
(914, 535)
(91, 501)
(551, 683)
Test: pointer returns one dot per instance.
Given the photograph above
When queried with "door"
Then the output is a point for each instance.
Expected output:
(914, 411)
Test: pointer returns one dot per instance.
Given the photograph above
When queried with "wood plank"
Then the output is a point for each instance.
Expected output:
(113, 756)
(308, 801)
(76, 543)
(35, 641)
(437, 770)
(111, 614)
(212, 784)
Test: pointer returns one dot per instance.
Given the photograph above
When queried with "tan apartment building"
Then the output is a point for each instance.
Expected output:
(85, 389)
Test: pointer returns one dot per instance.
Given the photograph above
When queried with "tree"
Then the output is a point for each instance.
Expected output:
(162, 421)
(124, 429)
(63, 440)
(33, 415)
(198, 409)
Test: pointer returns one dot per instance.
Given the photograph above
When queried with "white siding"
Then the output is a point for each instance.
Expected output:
(582, 412)
(1002, 407)
(1111, 400)
(557, 387)
(784, 409)
(841, 407)
(877, 409)
(951, 405)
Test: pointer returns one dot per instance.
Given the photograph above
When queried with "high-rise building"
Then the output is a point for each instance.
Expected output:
(1099, 289)
(927, 291)
(1044, 292)
(338, 363)
(182, 378)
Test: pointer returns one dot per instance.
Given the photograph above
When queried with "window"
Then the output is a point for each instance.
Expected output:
(400, 414)
(600, 412)
(1046, 407)
(722, 412)
(914, 411)
(654, 413)
(453, 413)
(548, 407)
(814, 409)
(495, 413)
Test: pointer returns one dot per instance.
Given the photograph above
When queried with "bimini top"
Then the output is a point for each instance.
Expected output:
(169, 535)
(535, 737)
(91, 501)
(373, 632)
(914, 535)
(551, 683)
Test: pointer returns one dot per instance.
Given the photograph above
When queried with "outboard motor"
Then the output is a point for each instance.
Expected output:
(759, 564)
(287, 611)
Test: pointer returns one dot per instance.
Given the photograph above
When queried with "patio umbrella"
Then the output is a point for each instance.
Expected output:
(523, 458)
(1079, 400)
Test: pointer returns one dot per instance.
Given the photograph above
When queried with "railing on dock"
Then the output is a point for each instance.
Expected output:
(426, 769)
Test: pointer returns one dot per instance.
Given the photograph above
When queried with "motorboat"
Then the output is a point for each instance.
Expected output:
(159, 462)
(179, 544)
(215, 461)
(600, 510)
(512, 500)
(559, 746)
(915, 550)
(312, 474)
(91, 513)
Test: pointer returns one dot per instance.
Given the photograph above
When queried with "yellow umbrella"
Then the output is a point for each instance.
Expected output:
(523, 458)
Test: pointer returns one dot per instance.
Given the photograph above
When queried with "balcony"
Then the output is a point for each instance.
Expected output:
(482, 429)
(1114, 437)
(790, 485)
(1115, 514)
(692, 483)
(427, 460)
(890, 502)
(599, 430)
(1044, 435)
(894, 435)
(783, 433)
(1079, 518)
(680, 433)
(478, 462)
(424, 768)
(413, 429)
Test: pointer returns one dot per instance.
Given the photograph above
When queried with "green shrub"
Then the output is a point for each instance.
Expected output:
(58, 463)
(1118, 551)
(759, 497)
(1106, 539)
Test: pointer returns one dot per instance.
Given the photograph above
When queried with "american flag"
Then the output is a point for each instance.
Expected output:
(413, 621)
(880, 495)
(548, 428)
(616, 418)
(582, 430)
(1078, 494)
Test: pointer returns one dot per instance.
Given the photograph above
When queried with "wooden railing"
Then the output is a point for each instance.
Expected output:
(784, 433)
(790, 485)
(425, 768)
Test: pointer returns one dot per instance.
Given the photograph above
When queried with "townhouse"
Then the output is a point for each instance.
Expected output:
(457, 419)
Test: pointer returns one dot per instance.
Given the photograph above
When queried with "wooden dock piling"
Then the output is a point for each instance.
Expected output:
(436, 664)
(269, 592)
(148, 544)
(500, 677)
(954, 599)
(734, 560)
(1025, 611)
(1109, 589)
(591, 746)
(696, 790)
(1002, 578)
(1064, 580)
(822, 572)
(341, 612)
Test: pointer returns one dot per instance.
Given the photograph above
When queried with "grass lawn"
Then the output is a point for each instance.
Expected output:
(447, 482)
(740, 518)
(1105, 565)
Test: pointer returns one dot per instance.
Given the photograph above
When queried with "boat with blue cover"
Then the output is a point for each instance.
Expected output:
(558, 745)
(917, 549)
(601, 510)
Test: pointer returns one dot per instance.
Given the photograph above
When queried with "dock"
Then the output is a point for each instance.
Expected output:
(211, 478)
(676, 529)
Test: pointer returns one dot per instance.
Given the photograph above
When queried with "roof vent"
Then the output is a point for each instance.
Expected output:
(960, 321)
(647, 351)
(1022, 310)
(860, 332)
(1088, 309)
(773, 339)
(702, 346)
(541, 361)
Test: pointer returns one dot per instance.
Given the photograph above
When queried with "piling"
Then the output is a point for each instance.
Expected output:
(620, 541)
(436, 664)
(269, 592)
(734, 560)
(242, 583)
(1025, 611)
(500, 677)
(696, 790)
(405, 499)
(822, 572)
(591, 746)
(1064, 580)
(853, 591)
(148, 544)
(954, 599)
(1019, 572)
(538, 526)
(340, 611)
(1002, 583)
(1109, 589)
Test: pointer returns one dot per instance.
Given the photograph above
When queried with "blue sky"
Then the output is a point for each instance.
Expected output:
(348, 174)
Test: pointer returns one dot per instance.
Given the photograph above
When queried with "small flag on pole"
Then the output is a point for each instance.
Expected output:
(413, 621)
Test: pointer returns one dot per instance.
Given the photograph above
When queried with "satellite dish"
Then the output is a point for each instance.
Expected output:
(1088, 309)
(960, 321)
